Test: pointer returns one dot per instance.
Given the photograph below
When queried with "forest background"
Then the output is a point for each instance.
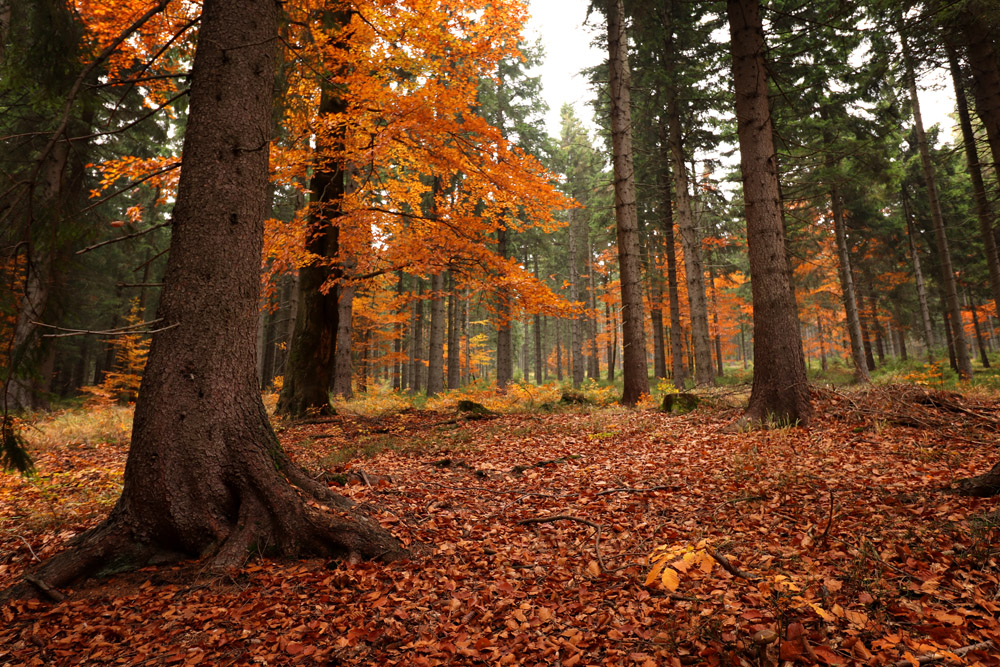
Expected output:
(427, 241)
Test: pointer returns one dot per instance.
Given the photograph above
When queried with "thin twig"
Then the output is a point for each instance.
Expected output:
(567, 517)
(937, 657)
(729, 567)
(33, 554)
(630, 490)
(122, 238)
(829, 523)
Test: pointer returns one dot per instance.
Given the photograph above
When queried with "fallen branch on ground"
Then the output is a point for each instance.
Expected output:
(729, 567)
(630, 490)
(938, 657)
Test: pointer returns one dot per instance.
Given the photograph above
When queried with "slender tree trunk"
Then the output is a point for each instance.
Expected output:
(944, 260)
(576, 324)
(311, 360)
(847, 290)
(594, 363)
(206, 476)
(435, 357)
(715, 316)
(780, 389)
(397, 342)
(539, 375)
(667, 227)
(691, 245)
(918, 276)
(417, 341)
(627, 226)
(559, 366)
(454, 344)
(983, 211)
(505, 340)
(983, 357)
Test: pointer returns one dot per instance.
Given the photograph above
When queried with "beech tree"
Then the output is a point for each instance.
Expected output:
(206, 476)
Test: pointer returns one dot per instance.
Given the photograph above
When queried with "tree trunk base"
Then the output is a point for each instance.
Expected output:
(268, 522)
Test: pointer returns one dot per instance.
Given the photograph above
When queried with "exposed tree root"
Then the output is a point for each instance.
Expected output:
(982, 486)
(269, 520)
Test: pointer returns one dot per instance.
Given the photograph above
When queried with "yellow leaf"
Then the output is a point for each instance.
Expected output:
(707, 562)
(823, 613)
(654, 573)
(670, 579)
(594, 568)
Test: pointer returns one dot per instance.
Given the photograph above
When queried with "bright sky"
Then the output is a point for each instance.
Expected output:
(566, 40)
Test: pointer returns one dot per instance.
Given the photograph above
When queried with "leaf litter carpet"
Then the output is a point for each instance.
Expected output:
(531, 535)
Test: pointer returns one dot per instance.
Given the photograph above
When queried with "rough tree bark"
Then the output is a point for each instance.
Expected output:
(505, 339)
(636, 377)
(576, 324)
(454, 358)
(205, 475)
(780, 389)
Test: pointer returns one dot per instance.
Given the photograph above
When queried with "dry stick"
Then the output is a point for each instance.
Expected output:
(729, 567)
(826, 531)
(628, 490)
(566, 517)
(937, 657)
(33, 554)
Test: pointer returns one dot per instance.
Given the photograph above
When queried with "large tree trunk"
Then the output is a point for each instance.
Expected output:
(780, 389)
(944, 255)
(205, 475)
(435, 352)
(539, 365)
(594, 362)
(636, 378)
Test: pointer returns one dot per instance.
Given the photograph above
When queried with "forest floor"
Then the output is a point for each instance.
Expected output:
(537, 528)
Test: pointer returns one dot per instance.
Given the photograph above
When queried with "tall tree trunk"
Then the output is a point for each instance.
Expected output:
(539, 373)
(944, 260)
(397, 342)
(847, 290)
(633, 326)
(206, 476)
(669, 247)
(984, 65)
(310, 364)
(344, 347)
(983, 357)
(576, 324)
(505, 340)
(435, 357)
(454, 345)
(594, 363)
(559, 366)
(780, 389)
(918, 276)
(691, 246)
(715, 318)
(417, 341)
(983, 211)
